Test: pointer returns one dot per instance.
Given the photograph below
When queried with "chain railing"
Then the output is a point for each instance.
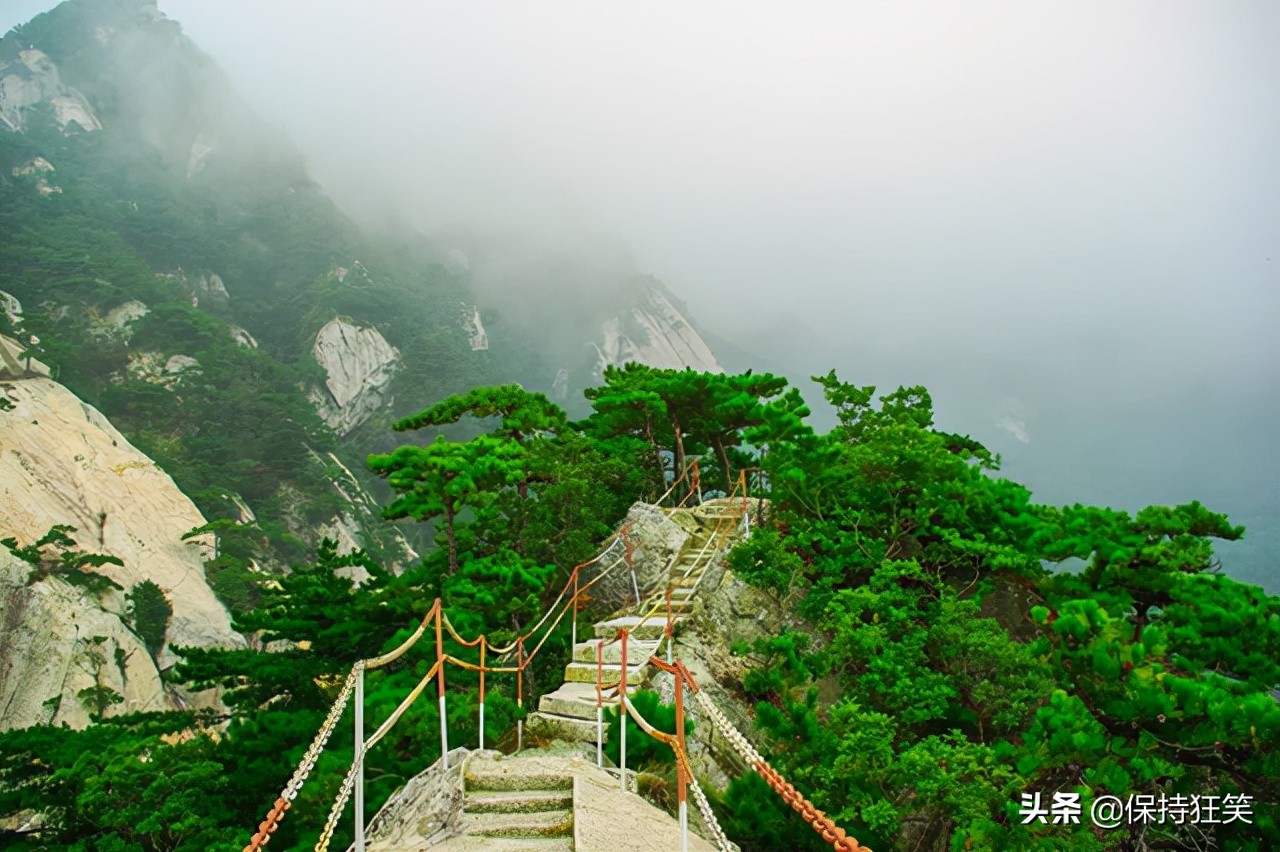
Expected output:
(566, 603)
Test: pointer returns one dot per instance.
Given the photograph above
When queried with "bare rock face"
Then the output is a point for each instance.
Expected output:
(243, 337)
(359, 363)
(33, 79)
(11, 308)
(62, 462)
(654, 538)
(60, 641)
(474, 328)
(655, 333)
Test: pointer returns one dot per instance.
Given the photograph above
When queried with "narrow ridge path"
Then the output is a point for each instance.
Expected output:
(569, 713)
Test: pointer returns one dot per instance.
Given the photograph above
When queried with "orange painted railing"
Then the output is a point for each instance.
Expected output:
(567, 603)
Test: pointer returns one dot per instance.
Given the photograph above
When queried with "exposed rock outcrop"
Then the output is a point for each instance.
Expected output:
(154, 368)
(62, 462)
(32, 78)
(654, 538)
(201, 148)
(117, 322)
(350, 528)
(359, 364)
(38, 165)
(11, 308)
(243, 337)
(653, 332)
(206, 288)
(474, 328)
(59, 641)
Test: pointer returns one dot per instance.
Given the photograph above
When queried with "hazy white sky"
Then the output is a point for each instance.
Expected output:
(914, 165)
(1065, 210)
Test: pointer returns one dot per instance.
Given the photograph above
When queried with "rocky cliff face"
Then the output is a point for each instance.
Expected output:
(656, 333)
(360, 364)
(62, 462)
(27, 78)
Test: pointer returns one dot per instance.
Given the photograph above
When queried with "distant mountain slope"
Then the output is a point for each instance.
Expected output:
(184, 275)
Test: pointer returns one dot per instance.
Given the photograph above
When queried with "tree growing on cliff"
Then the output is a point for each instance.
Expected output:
(149, 614)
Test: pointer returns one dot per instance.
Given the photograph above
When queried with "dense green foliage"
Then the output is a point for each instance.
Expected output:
(947, 672)
(969, 674)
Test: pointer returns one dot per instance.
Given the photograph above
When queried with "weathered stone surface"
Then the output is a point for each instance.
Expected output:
(654, 538)
(118, 319)
(11, 308)
(180, 364)
(62, 462)
(345, 533)
(32, 79)
(59, 640)
(359, 364)
(655, 333)
(426, 809)
(474, 328)
(243, 337)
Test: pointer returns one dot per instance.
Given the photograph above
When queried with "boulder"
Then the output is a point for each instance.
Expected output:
(654, 537)
(359, 364)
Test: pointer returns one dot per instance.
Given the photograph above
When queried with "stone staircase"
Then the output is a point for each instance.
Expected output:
(514, 804)
(684, 575)
(569, 713)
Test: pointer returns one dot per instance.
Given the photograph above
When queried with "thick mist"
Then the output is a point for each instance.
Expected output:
(1063, 218)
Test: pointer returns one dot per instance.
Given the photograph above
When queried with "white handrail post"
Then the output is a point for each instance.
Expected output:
(622, 713)
(359, 792)
(599, 706)
(444, 734)
(684, 826)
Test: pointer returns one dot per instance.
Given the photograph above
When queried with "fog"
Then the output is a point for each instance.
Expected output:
(1063, 218)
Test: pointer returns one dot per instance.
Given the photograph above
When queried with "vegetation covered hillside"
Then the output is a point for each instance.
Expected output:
(972, 676)
(181, 272)
(174, 263)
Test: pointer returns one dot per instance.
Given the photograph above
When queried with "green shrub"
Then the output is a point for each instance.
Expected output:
(149, 612)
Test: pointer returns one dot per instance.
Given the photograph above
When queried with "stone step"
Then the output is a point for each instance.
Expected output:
(575, 699)
(610, 674)
(658, 603)
(558, 823)
(637, 649)
(652, 629)
(513, 774)
(569, 728)
(517, 801)
(517, 844)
